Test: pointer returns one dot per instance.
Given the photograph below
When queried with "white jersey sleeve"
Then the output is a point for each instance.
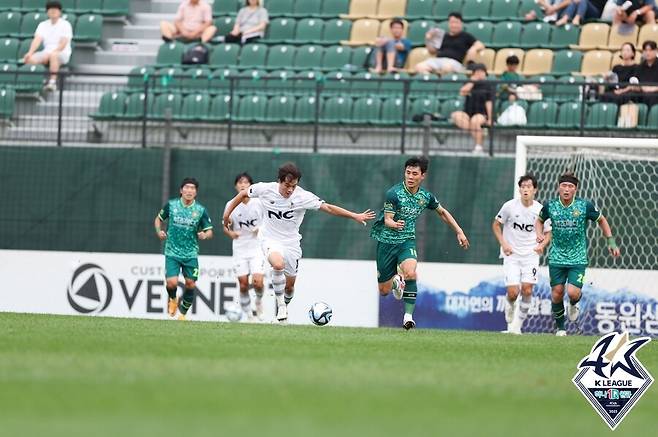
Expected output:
(257, 190)
(309, 200)
(503, 214)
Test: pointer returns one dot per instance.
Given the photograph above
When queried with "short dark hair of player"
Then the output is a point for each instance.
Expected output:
(289, 172)
(528, 177)
(569, 177)
(190, 181)
(512, 60)
(395, 21)
(244, 174)
(418, 161)
(53, 5)
(456, 15)
(650, 44)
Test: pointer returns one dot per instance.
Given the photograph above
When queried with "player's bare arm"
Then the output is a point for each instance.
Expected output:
(205, 235)
(540, 247)
(230, 233)
(342, 212)
(539, 230)
(448, 219)
(162, 235)
(496, 226)
(389, 222)
(226, 219)
(607, 233)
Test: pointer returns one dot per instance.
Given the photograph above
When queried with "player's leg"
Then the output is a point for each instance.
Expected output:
(276, 260)
(191, 274)
(558, 275)
(575, 279)
(387, 263)
(292, 255)
(407, 258)
(172, 270)
(512, 271)
(529, 269)
(241, 269)
(257, 269)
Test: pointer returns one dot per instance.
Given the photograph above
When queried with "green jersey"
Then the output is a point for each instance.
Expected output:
(569, 227)
(405, 206)
(184, 223)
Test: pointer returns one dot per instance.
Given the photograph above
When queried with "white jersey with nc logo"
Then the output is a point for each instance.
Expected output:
(245, 221)
(519, 227)
(282, 216)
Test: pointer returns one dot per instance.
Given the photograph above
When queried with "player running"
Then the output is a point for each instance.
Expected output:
(519, 250)
(247, 256)
(395, 232)
(285, 204)
(567, 257)
(188, 223)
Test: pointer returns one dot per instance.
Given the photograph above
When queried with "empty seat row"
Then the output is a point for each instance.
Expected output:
(88, 27)
(288, 8)
(102, 7)
(7, 103)
(26, 78)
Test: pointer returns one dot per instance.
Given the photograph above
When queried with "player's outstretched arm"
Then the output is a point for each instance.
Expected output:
(162, 235)
(539, 230)
(447, 218)
(226, 219)
(498, 233)
(607, 233)
(342, 212)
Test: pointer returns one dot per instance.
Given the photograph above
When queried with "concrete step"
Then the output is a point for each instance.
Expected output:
(149, 19)
(157, 6)
(132, 45)
(138, 31)
(101, 68)
(127, 59)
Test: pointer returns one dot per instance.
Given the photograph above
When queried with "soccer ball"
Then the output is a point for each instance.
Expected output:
(233, 312)
(320, 313)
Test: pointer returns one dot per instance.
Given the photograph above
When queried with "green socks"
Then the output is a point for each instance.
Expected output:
(558, 314)
(186, 302)
(409, 296)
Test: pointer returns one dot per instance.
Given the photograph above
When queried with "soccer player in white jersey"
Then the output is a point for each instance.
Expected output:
(248, 258)
(519, 249)
(284, 204)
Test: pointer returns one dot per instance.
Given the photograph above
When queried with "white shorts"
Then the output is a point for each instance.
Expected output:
(254, 265)
(291, 255)
(520, 270)
(43, 55)
(444, 64)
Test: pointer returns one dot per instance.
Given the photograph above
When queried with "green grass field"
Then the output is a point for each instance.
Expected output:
(88, 376)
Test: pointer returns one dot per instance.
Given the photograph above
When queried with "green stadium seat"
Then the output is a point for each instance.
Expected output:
(502, 10)
(162, 102)
(564, 36)
(7, 5)
(227, 7)
(365, 110)
(542, 114)
(506, 34)
(72, 19)
(392, 85)
(85, 6)
(417, 31)
(423, 85)
(336, 30)
(305, 109)
(443, 7)
(527, 6)
(196, 79)
(651, 122)
(251, 108)
(359, 56)
(281, 56)
(30, 22)
(601, 116)
(88, 28)
(220, 79)
(195, 107)
(536, 34)
(333, 8)
(336, 57)
(548, 90)
(568, 116)
(306, 82)
(33, 5)
(118, 8)
(423, 105)
(224, 55)
(309, 57)
(10, 23)
(419, 9)
(277, 8)
(475, 9)
(24, 47)
(170, 53)
(220, 108)
(29, 78)
(280, 81)
(281, 30)
(168, 79)
(251, 82)
(224, 26)
(7, 75)
(502, 105)
(309, 30)
(307, 8)
(566, 61)
(137, 77)
(569, 91)
(8, 50)
(280, 108)
(450, 85)
(481, 30)
(447, 108)
(112, 106)
(366, 84)
(392, 112)
(252, 55)
(7, 103)
(336, 109)
(336, 83)
(135, 106)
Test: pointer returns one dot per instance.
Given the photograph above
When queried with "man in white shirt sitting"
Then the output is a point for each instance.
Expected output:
(56, 35)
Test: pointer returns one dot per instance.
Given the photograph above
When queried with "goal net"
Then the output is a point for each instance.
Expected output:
(620, 176)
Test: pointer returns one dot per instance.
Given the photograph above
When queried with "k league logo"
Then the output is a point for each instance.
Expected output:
(90, 289)
(612, 378)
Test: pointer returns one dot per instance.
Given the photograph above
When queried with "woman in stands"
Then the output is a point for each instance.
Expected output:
(250, 23)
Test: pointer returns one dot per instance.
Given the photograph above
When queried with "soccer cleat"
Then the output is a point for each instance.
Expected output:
(172, 307)
(572, 312)
(259, 309)
(282, 313)
(408, 322)
(181, 316)
(397, 286)
(561, 333)
(516, 330)
(509, 311)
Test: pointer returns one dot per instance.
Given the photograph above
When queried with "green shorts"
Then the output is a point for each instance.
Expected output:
(189, 266)
(574, 275)
(389, 256)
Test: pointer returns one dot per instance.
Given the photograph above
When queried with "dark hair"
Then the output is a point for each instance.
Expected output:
(528, 177)
(456, 15)
(246, 3)
(569, 177)
(53, 5)
(396, 21)
(512, 60)
(190, 181)
(244, 174)
(288, 172)
(476, 66)
(650, 43)
(418, 161)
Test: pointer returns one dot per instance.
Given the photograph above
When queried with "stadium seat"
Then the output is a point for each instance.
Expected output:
(564, 36)
(279, 81)
(225, 55)
(536, 34)
(305, 110)
(220, 80)
(250, 82)
(168, 79)
(417, 31)
(220, 108)
(450, 85)
(24, 47)
(443, 7)
(111, 106)
(224, 25)
(537, 61)
(336, 109)
(336, 57)
(423, 105)
(392, 112)
(196, 79)
(278, 8)
(137, 77)
(365, 110)
(306, 82)
(252, 55)
(8, 50)
(307, 8)
(88, 28)
(310, 30)
(364, 32)
(616, 39)
(163, 102)
(592, 35)
(7, 75)
(392, 85)
(568, 116)
(336, 83)
(13, 5)
(416, 56)
(506, 34)
(596, 62)
(336, 30)
(118, 8)
(569, 91)
(83, 6)
(30, 22)
(366, 84)
(195, 107)
(419, 9)
(448, 107)
(361, 9)
(32, 5)
(475, 9)
(566, 61)
(360, 55)
(280, 30)
(422, 85)
(10, 23)
(280, 108)
(29, 78)
(648, 32)
(481, 30)
(135, 106)
(387, 9)
(652, 119)
(334, 8)
(500, 63)
(527, 6)
(7, 103)
(228, 7)
(486, 57)
(542, 114)
(308, 57)
(280, 56)
(251, 108)
(170, 54)
(502, 10)
(601, 116)
(385, 28)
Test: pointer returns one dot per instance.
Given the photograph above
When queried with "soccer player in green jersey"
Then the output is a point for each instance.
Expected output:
(188, 223)
(395, 232)
(567, 257)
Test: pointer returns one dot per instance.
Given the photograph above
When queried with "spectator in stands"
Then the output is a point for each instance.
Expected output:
(647, 72)
(193, 21)
(632, 11)
(391, 53)
(250, 23)
(510, 75)
(579, 10)
(552, 9)
(451, 49)
(478, 106)
(56, 34)
(620, 91)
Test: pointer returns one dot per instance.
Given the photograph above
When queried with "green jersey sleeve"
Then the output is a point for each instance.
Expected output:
(392, 201)
(164, 212)
(205, 223)
(544, 214)
(593, 214)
